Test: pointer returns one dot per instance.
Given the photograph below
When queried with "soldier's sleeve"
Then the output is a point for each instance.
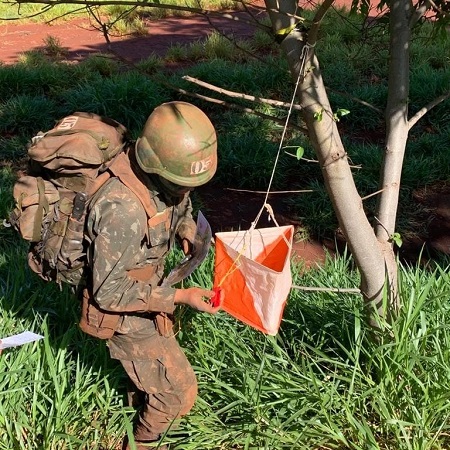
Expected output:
(117, 225)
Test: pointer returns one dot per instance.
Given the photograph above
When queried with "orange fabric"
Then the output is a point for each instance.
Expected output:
(237, 301)
(273, 255)
(253, 270)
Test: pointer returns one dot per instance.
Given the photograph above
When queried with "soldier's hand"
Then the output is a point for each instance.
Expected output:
(186, 234)
(196, 298)
(187, 246)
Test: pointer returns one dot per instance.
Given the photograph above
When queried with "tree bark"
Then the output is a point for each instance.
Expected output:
(397, 128)
(299, 49)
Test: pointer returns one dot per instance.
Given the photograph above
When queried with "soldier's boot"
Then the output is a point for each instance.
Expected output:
(146, 446)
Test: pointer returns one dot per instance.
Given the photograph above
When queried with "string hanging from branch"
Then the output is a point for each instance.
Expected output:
(252, 268)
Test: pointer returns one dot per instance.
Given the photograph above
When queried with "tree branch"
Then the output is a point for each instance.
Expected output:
(234, 41)
(320, 14)
(302, 159)
(357, 100)
(68, 13)
(214, 100)
(318, 289)
(372, 194)
(300, 191)
(420, 10)
(251, 98)
(44, 9)
(144, 4)
(241, 108)
(419, 114)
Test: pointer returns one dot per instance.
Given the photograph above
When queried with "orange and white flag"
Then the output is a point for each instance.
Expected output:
(253, 273)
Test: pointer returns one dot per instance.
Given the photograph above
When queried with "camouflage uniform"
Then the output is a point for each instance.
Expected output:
(122, 239)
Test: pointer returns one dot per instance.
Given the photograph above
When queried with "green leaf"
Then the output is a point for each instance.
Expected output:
(340, 113)
(300, 152)
(318, 115)
(396, 239)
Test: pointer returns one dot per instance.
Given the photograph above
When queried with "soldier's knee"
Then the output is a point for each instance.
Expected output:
(188, 397)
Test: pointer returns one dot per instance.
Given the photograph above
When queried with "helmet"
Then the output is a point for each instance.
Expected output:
(179, 144)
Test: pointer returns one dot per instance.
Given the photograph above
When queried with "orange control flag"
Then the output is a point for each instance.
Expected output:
(252, 269)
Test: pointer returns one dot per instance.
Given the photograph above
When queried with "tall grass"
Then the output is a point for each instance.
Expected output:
(323, 382)
(62, 392)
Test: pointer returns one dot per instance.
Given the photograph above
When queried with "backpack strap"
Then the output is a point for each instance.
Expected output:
(42, 207)
(121, 168)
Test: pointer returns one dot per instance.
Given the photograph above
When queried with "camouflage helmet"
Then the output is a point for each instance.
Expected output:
(179, 144)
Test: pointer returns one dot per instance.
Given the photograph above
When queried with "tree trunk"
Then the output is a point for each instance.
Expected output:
(396, 132)
(324, 136)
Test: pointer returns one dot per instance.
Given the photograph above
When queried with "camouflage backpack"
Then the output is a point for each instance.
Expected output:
(67, 165)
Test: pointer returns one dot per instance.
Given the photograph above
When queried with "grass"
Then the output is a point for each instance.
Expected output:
(323, 382)
(65, 400)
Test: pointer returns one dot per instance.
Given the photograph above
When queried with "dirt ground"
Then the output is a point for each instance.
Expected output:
(224, 209)
(80, 38)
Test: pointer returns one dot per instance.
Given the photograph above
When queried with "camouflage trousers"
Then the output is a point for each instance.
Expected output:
(163, 388)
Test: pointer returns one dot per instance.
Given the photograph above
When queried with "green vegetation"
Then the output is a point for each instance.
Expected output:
(320, 382)
(323, 382)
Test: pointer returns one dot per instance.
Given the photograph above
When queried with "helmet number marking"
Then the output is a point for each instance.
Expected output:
(198, 167)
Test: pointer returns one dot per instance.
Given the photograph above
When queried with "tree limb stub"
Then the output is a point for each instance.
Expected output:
(419, 114)
(234, 94)
(241, 108)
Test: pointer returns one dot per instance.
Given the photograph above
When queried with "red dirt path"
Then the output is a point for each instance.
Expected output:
(80, 38)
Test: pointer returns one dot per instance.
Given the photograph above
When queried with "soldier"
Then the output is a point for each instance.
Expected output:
(124, 300)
